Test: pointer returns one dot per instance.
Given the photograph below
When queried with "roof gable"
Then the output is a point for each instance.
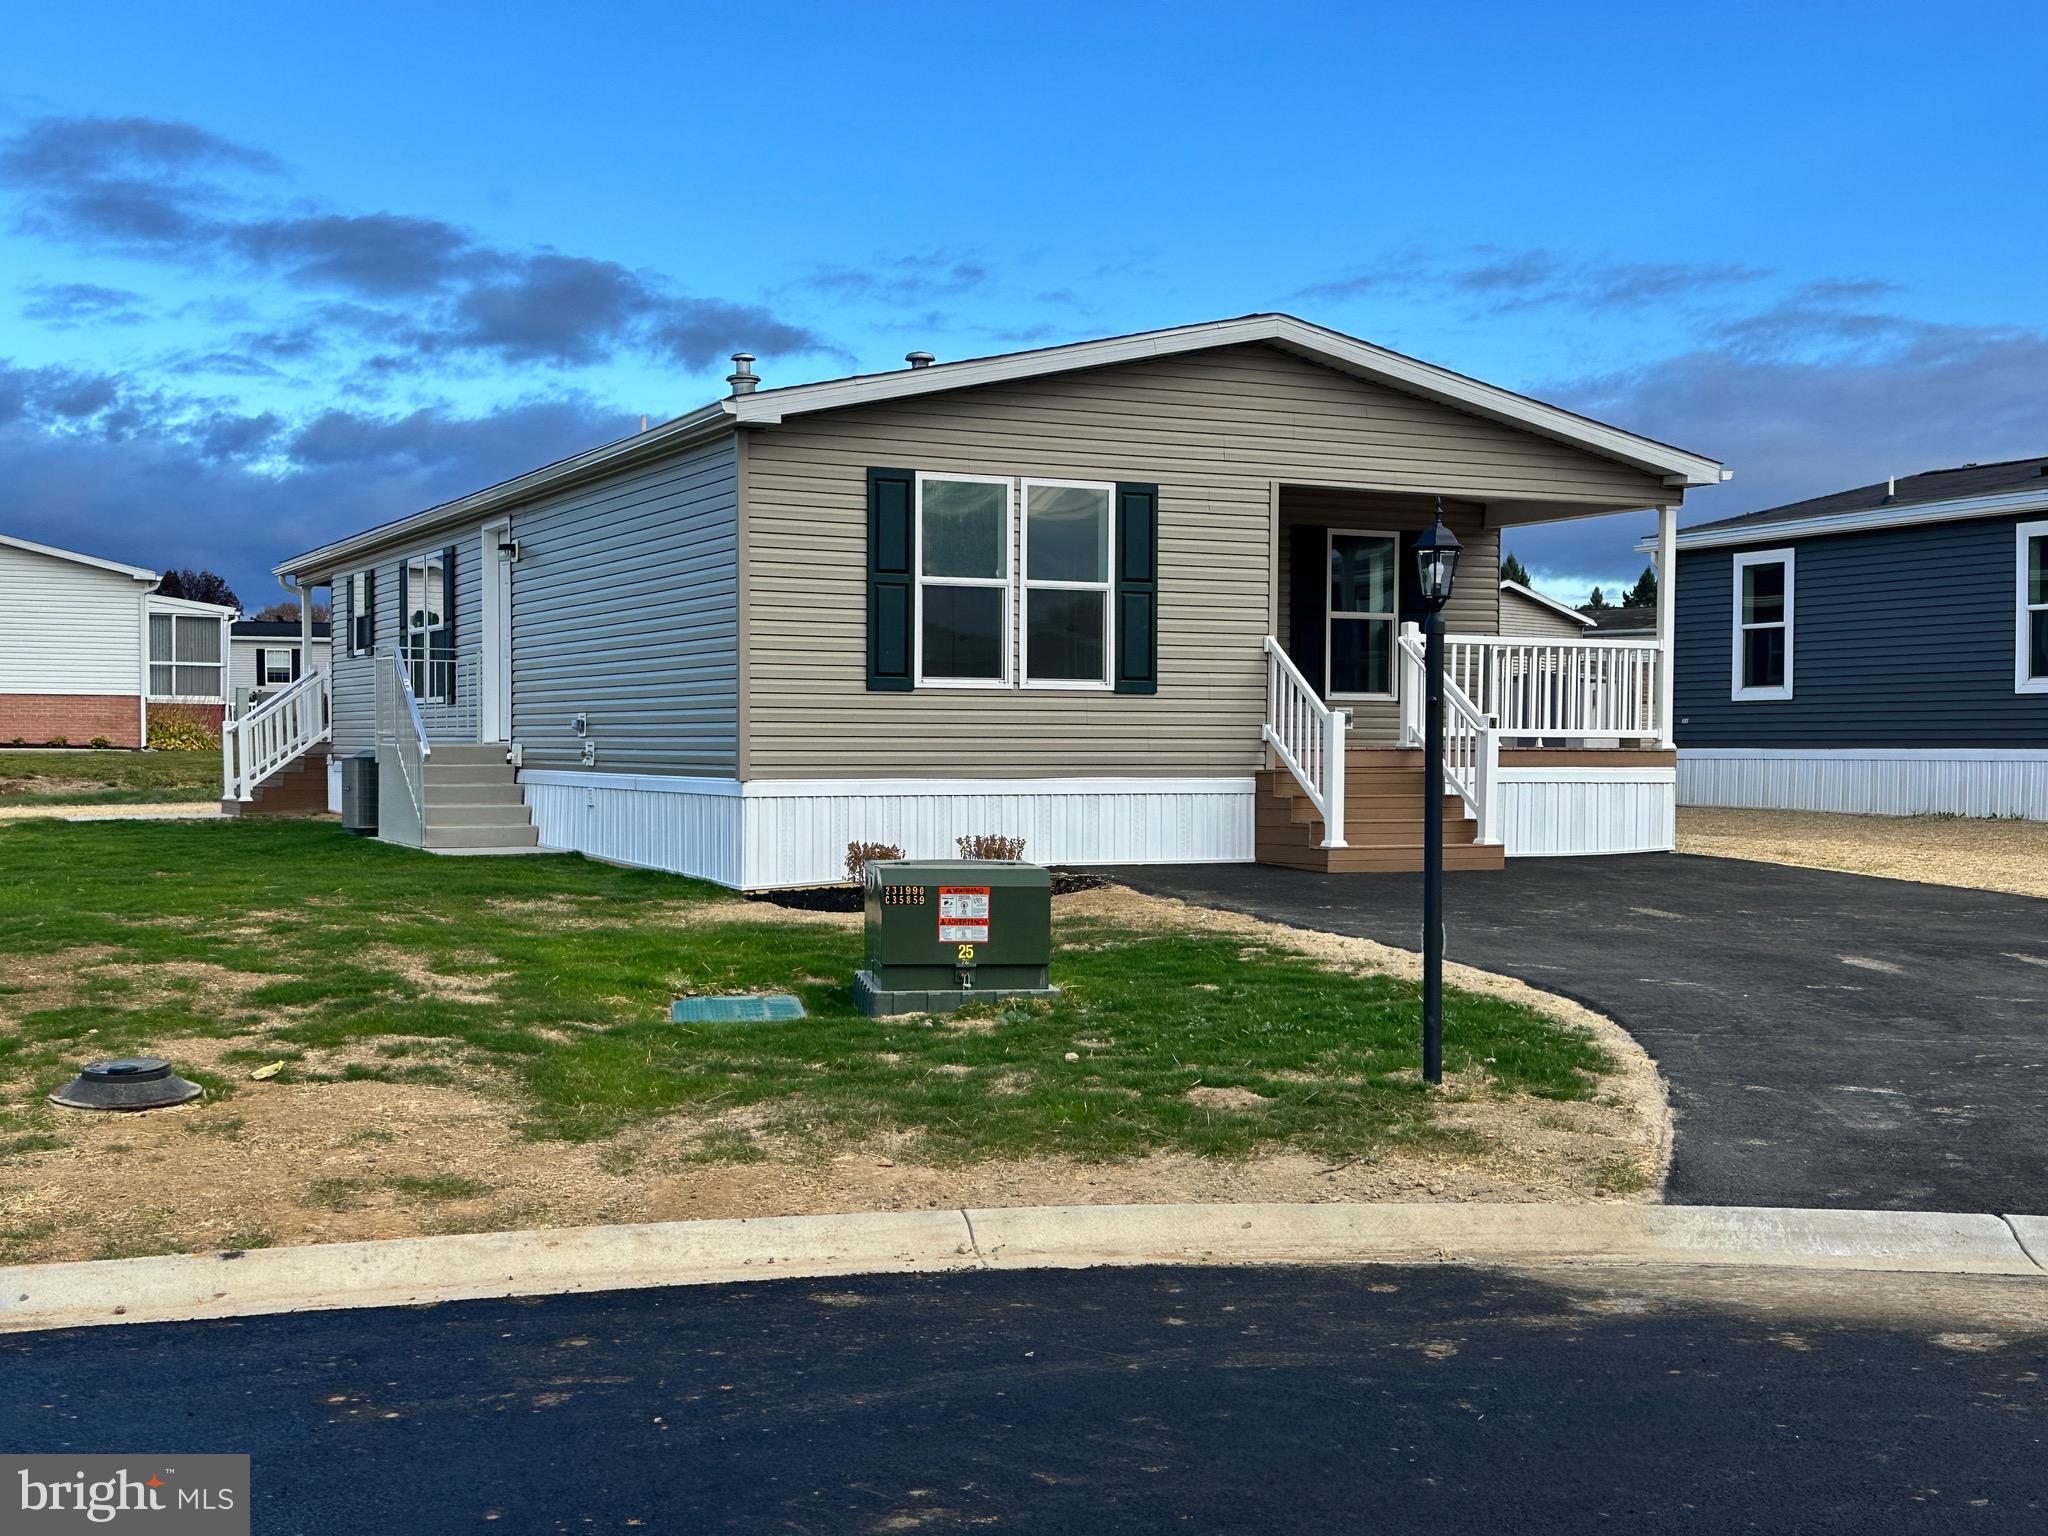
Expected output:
(135, 572)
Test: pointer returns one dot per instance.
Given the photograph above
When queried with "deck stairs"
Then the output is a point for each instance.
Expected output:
(299, 788)
(474, 803)
(1383, 789)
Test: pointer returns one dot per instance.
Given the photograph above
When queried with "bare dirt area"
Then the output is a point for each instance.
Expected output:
(151, 812)
(330, 1161)
(1984, 854)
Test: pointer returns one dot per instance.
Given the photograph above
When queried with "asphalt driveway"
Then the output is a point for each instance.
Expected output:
(1830, 1039)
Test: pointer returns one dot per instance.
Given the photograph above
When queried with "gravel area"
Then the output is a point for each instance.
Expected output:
(1985, 855)
(182, 809)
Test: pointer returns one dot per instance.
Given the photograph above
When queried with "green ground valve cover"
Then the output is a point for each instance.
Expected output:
(760, 1008)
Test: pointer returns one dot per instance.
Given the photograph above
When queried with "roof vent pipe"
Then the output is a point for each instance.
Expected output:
(742, 378)
(1891, 487)
(919, 359)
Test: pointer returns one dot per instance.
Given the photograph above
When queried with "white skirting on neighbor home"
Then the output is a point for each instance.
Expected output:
(1556, 811)
(773, 833)
(1870, 781)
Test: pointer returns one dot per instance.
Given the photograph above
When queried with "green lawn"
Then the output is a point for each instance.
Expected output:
(107, 778)
(550, 977)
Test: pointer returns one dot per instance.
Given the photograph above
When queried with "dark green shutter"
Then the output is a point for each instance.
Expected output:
(892, 586)
(262, 679)
(368, 617)
(1137, 589)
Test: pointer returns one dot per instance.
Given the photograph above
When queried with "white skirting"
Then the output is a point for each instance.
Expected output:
(1558, 811)
(1868, 781)
(767, 834)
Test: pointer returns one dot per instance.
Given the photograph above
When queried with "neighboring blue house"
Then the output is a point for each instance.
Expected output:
(1882, 650)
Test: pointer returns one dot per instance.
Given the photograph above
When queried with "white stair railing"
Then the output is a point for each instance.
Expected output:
(401, 744)
(1560, 688)
(1471, 739)
(274, 734)
(1307, 736)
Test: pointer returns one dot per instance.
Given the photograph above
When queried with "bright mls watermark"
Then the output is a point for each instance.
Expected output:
(161, 1495)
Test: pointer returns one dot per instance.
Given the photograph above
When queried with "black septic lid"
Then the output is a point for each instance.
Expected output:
(133, 1082)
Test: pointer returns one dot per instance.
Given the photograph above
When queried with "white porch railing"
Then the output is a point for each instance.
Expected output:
(1560, 688)
(402, 746)
(1471, 740)
(1307, 736)
(274, 734)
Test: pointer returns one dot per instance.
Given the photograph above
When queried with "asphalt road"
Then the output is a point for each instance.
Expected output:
(1830, 1039)
(1129, 1401)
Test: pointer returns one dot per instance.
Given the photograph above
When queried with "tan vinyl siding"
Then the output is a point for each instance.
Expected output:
(1214, 430)
(1519, 616)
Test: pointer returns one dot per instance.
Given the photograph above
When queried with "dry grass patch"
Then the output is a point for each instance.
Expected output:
(1986, 854)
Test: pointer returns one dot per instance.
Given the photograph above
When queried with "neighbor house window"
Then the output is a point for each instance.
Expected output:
(1363, 612)
(2031, 673)
(362, 613)
(1067, 583)
(185, 660)
(1763, 625)
(963, 581)
(426, 634)
(277, 666)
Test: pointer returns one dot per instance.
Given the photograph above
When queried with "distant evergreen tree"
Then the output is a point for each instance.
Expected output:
(1512, 569)
(1597, 600)
(1644, 593)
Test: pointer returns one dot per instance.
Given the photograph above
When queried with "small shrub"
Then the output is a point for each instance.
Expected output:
(860, 855)
(991, 845)
(181, 728)
(19, 741)
(58, 741)
(101, 743)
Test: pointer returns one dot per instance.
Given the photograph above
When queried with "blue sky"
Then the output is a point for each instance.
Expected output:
(268, 274)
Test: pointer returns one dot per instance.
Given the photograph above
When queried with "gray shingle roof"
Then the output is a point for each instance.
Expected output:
(1930, 485)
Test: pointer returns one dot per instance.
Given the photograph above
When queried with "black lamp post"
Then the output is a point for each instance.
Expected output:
(1436, 566)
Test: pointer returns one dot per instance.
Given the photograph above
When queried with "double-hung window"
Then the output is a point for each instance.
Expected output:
(963, 581)
(1762, 659)
(1067, 528)
(426, 627)
(185, 660)
(2031, 646)
(277, 666)
(1364, 611)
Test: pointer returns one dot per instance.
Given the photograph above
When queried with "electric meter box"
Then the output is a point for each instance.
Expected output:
(942, 933)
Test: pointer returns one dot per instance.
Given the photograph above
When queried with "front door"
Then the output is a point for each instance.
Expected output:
(494, 668)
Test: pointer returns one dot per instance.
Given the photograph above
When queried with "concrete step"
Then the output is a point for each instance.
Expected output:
(451, 816)
(498, 792)
(439, 773)
(482, 837)
(468, 754)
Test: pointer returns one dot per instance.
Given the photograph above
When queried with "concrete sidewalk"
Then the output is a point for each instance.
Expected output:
(416, 1271)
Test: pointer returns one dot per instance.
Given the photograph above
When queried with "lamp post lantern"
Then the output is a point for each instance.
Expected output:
(1436, 567)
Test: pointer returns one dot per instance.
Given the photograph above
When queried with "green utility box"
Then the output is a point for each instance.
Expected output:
(942, 933)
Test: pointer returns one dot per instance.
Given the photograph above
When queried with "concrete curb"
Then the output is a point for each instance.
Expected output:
(416, 1271)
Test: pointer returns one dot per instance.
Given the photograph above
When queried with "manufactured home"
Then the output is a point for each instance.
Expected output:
(265, 655)
(88, 647)
(1148, 598)
(1525, 611)
(1881, 650)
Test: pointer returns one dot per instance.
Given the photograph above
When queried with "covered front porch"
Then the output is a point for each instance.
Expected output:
(1552, 746)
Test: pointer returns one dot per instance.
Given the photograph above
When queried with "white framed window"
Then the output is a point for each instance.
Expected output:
(277, 666)
(1362, 615)
(362, 613)
(1068, 527)
(424, 630)
(1762, 625)
(964, 537)
(186, 658)
(2030, 647)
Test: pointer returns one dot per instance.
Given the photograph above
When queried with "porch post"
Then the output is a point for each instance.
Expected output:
(1667, 618)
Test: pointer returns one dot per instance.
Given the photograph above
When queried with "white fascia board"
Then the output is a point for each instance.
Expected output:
(158, 603)
(1958, 510)
(134, 571)
(1549, 602)
(684, 431)
(1674, 465)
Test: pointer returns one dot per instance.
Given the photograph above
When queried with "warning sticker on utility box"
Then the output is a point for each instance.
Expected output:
(963, 914)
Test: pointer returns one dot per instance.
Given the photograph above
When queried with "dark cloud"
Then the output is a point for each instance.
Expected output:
(1896, 398)
(66, 306)
(1500, 280)
(411, 287)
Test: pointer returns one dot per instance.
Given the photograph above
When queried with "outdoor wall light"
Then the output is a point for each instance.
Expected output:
(1436, 561)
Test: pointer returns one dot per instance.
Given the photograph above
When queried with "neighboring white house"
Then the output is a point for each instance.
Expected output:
(87, 646)
(265, 654)
(1525, 611)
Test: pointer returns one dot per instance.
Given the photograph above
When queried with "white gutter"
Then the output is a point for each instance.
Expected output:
(1813, 526)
